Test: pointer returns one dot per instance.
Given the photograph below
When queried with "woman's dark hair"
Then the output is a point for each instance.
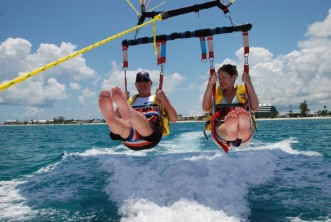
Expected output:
(228, 68)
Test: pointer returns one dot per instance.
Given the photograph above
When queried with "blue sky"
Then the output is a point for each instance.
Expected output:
(289, 58)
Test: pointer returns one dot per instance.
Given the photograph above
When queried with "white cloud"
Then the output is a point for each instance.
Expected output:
(300, 75)
(303, 74)
(193, 86)
(116, 78)
(46, 88)
(33, 112)
(74, 86)
(87, 93)
(34, 93)
(13, 53)
(320, 29)
(74, 68)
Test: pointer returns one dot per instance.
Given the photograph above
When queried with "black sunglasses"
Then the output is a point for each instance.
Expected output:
(142, 80)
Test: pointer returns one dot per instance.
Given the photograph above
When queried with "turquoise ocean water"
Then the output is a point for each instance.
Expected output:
(76, 173)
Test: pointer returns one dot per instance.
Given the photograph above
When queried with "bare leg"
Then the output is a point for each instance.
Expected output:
(106, 106)
(231, 124)
(121, 103)
(140, 123)
(115, 124)
(244, 123)
(222, 132)
(136, 119)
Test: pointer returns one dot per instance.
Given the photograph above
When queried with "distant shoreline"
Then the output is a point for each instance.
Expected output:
(271, 119)
(297, 118)
(181, 121)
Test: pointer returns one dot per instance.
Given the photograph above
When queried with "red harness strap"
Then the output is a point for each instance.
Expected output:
(161, 58)
(216, 115)
(125, 64)
(203, 48)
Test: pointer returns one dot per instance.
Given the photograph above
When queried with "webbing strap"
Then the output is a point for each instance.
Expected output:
(125, 56)
(161, 52)
(212, 71)
(213, 133)
(246, 42)
(161, 80)
(211, 47)
(246, 69)
(125, 65)
(161, 58)
(203, 48)
(246, 54)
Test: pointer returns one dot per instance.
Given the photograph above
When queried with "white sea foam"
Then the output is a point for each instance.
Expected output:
(298, 219)
(12, 204)
(190, 183)
(185, 180)
(183, 143)
(189, 142)
(52, 166)
(179, 181)
(182, 210)
(284, 145)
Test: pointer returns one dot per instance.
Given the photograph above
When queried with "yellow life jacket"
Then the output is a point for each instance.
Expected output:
(156, 107)
(241, 97)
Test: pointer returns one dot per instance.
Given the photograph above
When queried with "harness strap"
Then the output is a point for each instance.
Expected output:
(246, 43)
(211, 47)
(217, 118)
(161, 58)
(161, 52)
(212, 71)
(151, 114)
(125, 56)
(216, 115)
(125, 64)
(246, 68)
(203, 48)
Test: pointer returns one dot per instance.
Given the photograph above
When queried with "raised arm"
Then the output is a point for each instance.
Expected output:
(253, 99)
(207, 101)
(169, 108)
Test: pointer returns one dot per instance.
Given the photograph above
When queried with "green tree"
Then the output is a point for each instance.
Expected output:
(273, 112)
(323, 112)
(304, 110)
(59, 120)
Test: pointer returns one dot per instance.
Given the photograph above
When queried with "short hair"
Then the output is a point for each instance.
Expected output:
(228, 68)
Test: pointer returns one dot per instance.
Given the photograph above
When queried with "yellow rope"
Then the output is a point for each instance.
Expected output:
(156, 7)
(134, 9)
(21, 78)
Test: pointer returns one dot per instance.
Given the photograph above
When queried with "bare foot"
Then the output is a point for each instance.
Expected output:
(120, 100)
(244, 118)
(231, 123)
(106, 106)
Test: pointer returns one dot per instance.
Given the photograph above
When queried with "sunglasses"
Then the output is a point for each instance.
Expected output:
(142, 80)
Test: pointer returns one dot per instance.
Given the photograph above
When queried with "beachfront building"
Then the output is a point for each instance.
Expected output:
(266, 111)
(11, 122)
(39, 121)
(191, 117)
(312, 114)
